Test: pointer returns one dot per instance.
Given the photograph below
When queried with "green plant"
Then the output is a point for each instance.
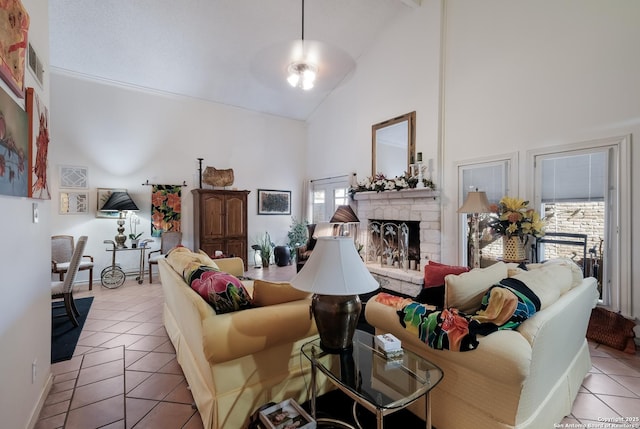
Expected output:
(298, 234)
(265, 246)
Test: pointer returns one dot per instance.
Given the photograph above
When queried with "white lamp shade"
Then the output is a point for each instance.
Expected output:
(335, 268)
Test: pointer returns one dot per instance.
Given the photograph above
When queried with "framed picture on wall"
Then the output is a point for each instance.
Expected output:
(13, 39)
(73, 202)
(38, 129)
(103, 196)
(272, 202)
(14, 148)
(72, 176)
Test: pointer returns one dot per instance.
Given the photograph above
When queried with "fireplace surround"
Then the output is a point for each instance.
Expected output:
(421, 206)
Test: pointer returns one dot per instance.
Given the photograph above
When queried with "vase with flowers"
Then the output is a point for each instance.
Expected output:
(516, 223)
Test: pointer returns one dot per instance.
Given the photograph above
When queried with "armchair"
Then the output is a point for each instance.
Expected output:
(64, 289)
(304, 252)
(62, 250)
(168, 241)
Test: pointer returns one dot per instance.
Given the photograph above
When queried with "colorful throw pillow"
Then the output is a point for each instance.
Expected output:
(434, 273)
(224, 292)
(270, 293)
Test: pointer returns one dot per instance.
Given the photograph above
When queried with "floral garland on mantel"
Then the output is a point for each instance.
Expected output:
(379, 183)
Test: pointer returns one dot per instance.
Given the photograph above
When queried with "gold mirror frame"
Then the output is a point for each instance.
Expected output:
(410, 119)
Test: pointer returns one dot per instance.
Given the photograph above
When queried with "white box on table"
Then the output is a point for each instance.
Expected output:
(388, 342)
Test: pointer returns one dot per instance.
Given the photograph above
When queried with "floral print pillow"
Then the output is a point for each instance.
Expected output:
(224, 292)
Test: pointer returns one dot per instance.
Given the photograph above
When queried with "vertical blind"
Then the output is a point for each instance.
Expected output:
(490, 178)
(574, 178)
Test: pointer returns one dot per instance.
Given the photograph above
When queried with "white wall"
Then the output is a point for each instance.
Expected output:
(127, 136)
(516, 76)
(399, 74)
(25, 309)
(528, 75)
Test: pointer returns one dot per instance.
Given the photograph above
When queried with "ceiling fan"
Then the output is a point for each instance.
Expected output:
(302, 63)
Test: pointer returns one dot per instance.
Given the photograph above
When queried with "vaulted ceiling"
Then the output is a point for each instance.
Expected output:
(233, 52)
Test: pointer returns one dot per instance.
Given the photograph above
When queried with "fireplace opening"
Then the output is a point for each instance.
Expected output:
(393, 243)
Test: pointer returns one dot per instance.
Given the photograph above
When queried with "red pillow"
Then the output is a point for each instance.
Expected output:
(434, 273)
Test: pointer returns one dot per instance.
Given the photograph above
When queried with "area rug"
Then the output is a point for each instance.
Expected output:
(64, 336)
(611, 329)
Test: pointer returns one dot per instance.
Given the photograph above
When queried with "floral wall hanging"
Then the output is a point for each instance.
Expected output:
(38, 116)
(166, 208)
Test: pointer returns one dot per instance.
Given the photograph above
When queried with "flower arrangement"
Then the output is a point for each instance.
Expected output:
(511, 217)
(380, 183)
(134, 221)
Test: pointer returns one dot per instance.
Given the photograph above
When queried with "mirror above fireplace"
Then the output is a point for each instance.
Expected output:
(393, 145)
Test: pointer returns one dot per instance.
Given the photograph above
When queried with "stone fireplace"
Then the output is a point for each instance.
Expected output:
(419, 208)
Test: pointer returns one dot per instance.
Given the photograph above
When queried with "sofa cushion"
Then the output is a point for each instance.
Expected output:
(224, 292)
(434, 273)
(548, 282)
(270, 293)
(465, 291)
(183, 260)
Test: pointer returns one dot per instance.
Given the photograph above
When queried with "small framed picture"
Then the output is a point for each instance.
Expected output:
(272, 202)
(74, 177)
(103, 196)
(74, 202)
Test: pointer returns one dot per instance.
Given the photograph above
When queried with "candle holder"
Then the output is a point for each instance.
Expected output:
(419, 168)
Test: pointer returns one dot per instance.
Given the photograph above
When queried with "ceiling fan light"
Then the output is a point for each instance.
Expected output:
(302, 75)
(307, 84)
(293, 78)
(309, 74)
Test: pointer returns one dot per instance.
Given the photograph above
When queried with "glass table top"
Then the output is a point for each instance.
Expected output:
(367, 373)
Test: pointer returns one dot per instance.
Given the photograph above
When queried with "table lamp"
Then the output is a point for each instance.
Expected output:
(344, 215)
(475, 203)
(120, 201)
(336, 275)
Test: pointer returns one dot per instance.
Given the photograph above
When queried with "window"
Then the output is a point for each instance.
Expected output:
(580, 188)
(327, 195)
(494, 178)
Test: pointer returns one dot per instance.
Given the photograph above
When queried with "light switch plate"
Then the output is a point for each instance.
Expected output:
(34, 207)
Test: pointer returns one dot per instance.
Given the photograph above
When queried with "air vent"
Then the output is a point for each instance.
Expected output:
(35, 65)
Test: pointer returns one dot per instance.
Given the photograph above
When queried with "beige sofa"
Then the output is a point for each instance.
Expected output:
(236, 362)
(526, 378)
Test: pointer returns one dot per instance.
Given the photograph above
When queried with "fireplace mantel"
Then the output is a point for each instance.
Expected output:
(392, 195)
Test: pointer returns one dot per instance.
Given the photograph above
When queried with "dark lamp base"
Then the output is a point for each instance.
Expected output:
(336, 318)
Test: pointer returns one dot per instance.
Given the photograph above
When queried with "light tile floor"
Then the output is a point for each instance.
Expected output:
(124, 372)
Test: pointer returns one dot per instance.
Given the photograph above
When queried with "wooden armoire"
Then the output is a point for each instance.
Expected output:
(220, 222)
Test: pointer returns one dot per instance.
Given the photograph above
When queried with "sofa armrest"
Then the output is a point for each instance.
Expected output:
(232, 335)
(233, 266)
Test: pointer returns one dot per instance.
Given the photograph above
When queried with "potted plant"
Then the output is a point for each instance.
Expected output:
(134, 236)
(298, 235)
(265, 246)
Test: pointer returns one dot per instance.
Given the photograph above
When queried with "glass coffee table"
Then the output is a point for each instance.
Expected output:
(382, 386)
